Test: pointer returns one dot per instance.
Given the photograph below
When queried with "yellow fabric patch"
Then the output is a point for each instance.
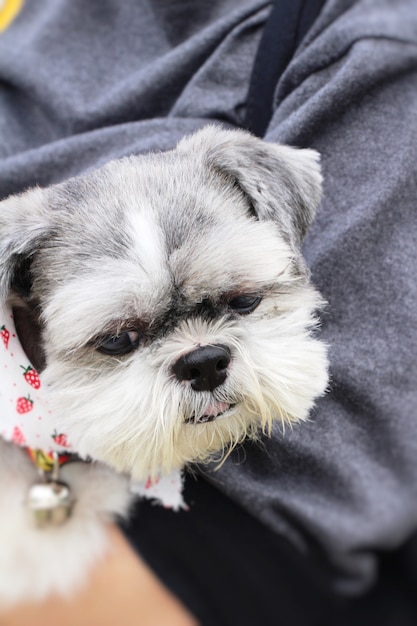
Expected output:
(9, 9)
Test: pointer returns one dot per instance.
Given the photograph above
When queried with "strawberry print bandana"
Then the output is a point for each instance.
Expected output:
(26, 419)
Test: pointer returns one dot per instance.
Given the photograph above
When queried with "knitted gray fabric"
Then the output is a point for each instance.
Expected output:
(81, 83)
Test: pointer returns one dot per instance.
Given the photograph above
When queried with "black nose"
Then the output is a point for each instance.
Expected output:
(205, 367)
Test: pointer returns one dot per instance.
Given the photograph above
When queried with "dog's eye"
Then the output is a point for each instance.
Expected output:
(117, 345)
(245, 304)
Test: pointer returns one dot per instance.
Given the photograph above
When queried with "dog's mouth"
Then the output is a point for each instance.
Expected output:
(214, 411)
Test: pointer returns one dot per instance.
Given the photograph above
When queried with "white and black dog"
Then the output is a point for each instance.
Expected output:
(165, 300)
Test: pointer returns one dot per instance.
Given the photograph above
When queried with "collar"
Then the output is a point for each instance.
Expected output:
(48, 461)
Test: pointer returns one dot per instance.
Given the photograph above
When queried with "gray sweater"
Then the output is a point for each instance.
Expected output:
(83, 82)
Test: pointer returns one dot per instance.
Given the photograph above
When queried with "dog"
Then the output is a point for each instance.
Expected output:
(165, 301)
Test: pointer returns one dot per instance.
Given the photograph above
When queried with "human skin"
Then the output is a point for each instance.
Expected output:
(121, 589)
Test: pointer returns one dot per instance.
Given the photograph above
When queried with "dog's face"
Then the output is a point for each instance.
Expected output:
(167, 300)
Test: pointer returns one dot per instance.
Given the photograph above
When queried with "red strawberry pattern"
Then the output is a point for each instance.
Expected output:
(18, 437)
(5, 335)
(31, 376)
(25, 419)
(24, 405)
(60, 439)
(151, 482)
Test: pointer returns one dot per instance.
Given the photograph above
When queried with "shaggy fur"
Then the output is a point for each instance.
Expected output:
(161, 249)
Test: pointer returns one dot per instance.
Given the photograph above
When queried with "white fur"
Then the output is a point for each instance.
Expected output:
(275, 379)
(162, 243)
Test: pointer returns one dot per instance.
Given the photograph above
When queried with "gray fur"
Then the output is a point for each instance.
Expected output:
(86, 215)
(159, 247)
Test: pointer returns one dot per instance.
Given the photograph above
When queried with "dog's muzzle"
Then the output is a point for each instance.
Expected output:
(204, 368)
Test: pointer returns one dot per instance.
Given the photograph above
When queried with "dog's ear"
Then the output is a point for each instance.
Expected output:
(282, 183)
(24, 224)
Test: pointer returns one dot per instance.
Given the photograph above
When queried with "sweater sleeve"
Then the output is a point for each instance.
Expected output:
(346, 482)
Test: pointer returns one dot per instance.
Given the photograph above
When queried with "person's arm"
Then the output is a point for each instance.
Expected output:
(121, 590)
(346, 480)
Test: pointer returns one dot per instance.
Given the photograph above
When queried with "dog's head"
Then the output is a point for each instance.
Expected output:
(166, 300)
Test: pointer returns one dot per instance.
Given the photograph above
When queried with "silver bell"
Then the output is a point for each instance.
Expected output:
(50, 500)
(50, 503)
